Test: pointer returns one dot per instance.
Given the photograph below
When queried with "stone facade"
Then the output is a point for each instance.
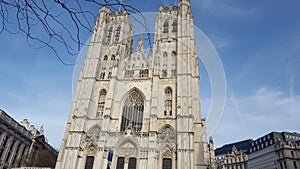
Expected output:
(279, 150)
(21, 144)
(144, 105)
(233, 156)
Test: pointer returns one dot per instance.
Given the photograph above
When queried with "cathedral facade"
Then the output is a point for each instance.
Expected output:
(138, 109)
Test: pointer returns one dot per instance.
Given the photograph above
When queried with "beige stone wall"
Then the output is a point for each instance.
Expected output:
(172, 126)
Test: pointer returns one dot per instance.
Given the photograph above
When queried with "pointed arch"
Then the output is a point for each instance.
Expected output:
(93, 134)
(133, 110)
(174, 26)
(90, 156)
(101, 102)
(108, 37)
(117, 35)
(167, 136)
(168, 101)
(166, 26)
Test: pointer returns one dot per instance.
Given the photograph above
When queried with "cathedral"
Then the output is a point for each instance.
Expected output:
(138, 109)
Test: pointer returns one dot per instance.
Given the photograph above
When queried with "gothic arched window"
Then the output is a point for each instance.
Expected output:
(101, 103)
(174, 26)
(117, 36)
(168, 101)
(133, 110)
(108, 37)
(166, 27)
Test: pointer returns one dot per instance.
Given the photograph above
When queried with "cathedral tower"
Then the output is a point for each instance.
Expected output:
(145, 111)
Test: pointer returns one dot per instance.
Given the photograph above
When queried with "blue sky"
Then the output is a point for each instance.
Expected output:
(258, 43)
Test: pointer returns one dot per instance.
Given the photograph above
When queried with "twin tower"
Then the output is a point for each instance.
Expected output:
(142, 107)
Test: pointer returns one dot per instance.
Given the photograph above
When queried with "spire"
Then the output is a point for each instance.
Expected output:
(140, 44)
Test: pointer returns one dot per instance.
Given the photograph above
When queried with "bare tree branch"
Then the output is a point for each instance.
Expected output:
(56, 23)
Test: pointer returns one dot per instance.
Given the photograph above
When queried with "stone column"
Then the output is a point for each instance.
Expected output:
(19, 156)
(6, 149)
(3, 135)
(13, 152)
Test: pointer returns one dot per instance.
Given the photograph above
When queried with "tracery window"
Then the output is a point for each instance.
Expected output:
(166, 27)
(133, 110)
(174, 26)
(101, 103)
(168, 101)
(143, 73)
(117, 36)
(108, 37)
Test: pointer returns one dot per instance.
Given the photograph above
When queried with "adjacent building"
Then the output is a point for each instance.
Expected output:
(233, 156)
(142, 107)
(22, 144)
(276, 150)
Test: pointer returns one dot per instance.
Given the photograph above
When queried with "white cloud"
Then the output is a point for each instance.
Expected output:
(265, 110)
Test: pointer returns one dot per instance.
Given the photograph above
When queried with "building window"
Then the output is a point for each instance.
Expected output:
(131, 73)
(102, 75)
(89, 162)
(292, 153)
(101, 103)
(168, 100)
(120, 163)
(173, 72)
(127, 72)
(108, 37)
(105, 57)
(174, 26)
(117, 36)
(113, 57)
(166, 27)
(109, 75)
(284, 164)
(133, 110)
(164, 73)
(295, 164)
(143, 73)
(132, 163)
(167, 163)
